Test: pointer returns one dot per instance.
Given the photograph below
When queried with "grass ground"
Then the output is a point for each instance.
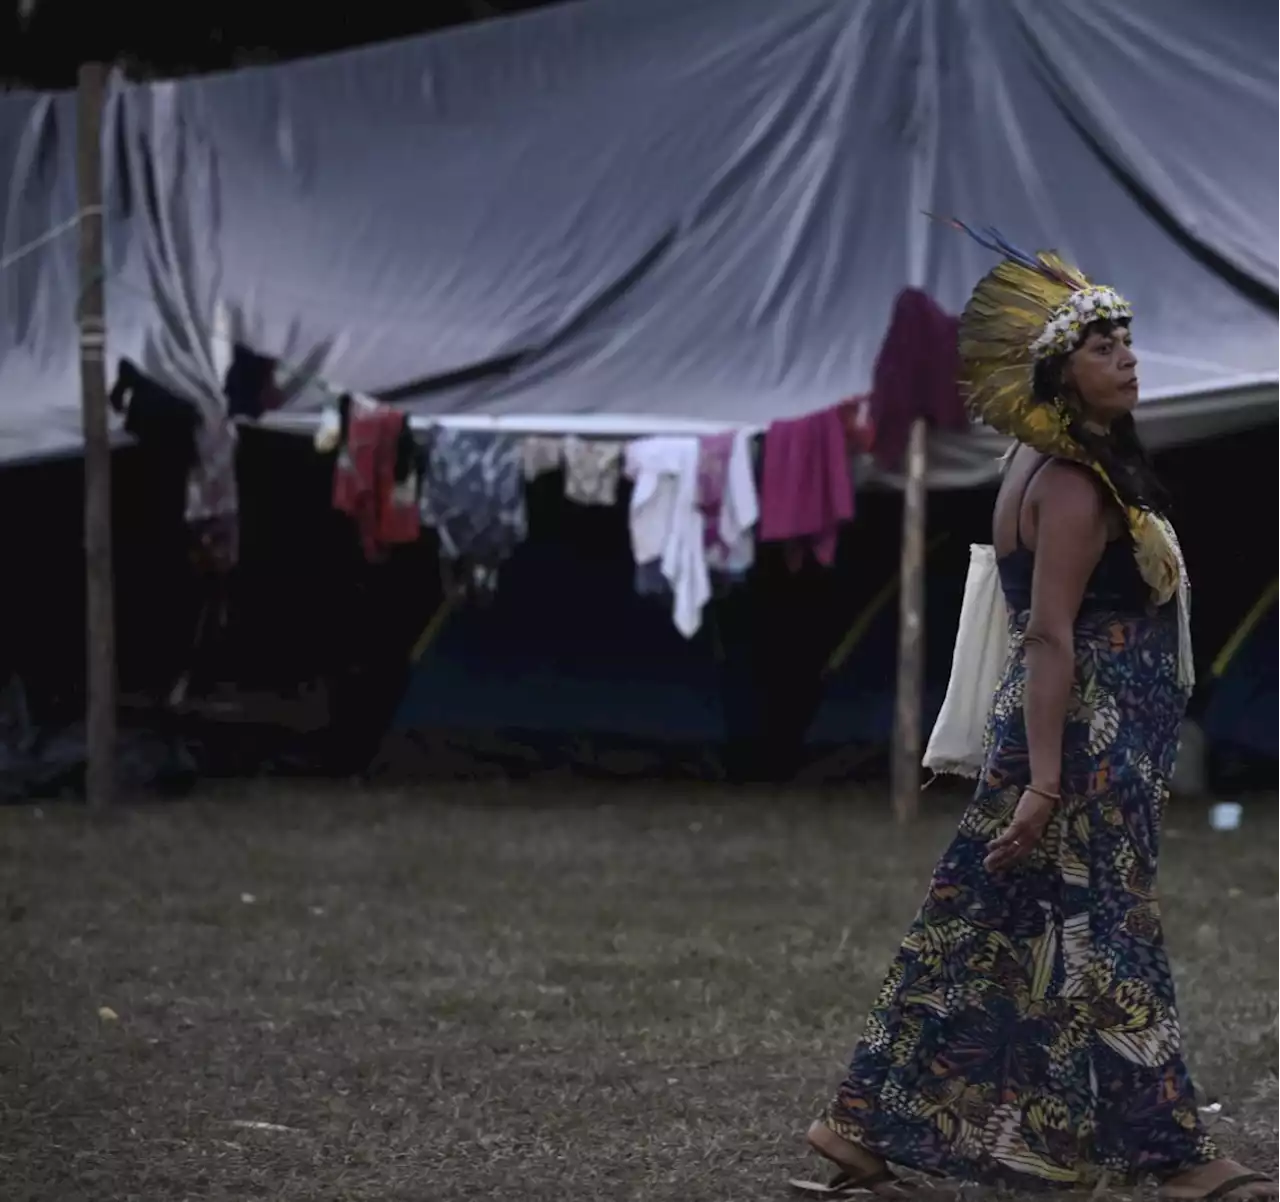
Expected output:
(483, 993)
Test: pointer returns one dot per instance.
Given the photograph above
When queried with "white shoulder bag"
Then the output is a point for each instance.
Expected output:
(982, 646)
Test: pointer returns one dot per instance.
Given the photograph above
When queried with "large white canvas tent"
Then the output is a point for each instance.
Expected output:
(636, 211)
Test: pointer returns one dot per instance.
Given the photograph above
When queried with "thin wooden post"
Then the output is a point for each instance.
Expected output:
(907, 742)
(100, 641)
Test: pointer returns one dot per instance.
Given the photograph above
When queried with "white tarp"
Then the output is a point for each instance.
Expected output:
(659, 209)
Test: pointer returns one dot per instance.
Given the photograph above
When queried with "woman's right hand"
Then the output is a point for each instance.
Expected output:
(1030, 818)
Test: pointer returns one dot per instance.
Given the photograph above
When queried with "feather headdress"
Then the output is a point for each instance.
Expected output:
(1027, 308)
(1033, 307)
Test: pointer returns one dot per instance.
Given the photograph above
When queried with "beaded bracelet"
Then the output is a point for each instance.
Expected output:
(1054, 797)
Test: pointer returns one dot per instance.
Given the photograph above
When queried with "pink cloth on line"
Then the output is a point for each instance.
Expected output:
(714, 451)
(806, 492)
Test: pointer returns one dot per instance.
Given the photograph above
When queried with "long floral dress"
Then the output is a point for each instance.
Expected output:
(1027, 1025)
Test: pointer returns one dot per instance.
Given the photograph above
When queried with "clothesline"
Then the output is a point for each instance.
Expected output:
(584, 425)
(63, 227)
(702, 494)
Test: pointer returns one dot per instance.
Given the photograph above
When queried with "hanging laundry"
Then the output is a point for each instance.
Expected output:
(541, 454)
(203, 446)
(727, 507)
(215, 544)
(727, 501)
(213, 551)
(592, 469)
(916, 375)
(161, 422)
(859, 435)
(335, 420)
(650, 582)
(333, 423)
(375, 478)
(666, 527)
(806, 492)
(859, 425)
(473, 497)
(250, 384)
(213, 499)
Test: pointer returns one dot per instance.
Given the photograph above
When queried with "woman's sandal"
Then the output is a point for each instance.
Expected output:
(1223, 1192)
(847, 1183)
(874, 1178)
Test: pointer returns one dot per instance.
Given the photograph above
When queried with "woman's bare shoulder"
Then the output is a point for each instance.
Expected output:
(1070, 498)
(1073, 483)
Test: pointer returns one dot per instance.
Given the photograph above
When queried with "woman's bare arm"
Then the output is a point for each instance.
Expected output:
(1071, 535)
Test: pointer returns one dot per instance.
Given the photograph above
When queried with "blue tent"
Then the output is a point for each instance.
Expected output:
(568, 652)
(1244, 692)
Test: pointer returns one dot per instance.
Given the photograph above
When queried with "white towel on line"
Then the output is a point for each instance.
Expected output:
(666, 526)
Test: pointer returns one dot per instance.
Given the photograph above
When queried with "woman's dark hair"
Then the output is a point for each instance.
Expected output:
(1119, 452)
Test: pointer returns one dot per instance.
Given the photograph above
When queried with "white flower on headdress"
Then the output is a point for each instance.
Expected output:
(1062, 331)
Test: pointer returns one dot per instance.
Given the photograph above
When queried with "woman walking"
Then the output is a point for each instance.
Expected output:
(1027, 1028)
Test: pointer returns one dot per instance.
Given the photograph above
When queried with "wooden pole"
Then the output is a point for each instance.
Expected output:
(907, 742)
(100, 642)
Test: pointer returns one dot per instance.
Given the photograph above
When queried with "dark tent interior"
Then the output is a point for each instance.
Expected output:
(327, 665)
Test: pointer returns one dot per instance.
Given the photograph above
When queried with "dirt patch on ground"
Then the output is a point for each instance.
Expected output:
(490, 992)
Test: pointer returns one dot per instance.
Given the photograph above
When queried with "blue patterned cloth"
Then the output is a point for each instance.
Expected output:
(1027, 1027)
(473, 494)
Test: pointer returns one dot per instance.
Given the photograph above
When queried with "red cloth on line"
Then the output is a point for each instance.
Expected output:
(364, 482)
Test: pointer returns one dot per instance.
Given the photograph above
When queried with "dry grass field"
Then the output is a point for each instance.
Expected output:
(489, 992)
